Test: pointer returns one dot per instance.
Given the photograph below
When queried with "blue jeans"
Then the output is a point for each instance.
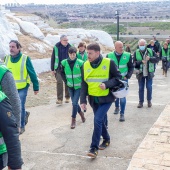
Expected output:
(23, 94)
(141, 83)
(75, 95)
(100, 127)
(122, 102)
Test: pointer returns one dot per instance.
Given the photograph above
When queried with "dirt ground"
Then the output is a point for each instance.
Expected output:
(47, 91)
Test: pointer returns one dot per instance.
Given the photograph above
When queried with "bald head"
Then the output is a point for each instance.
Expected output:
(119, 47)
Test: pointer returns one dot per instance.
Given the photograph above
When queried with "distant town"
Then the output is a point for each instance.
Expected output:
(143, 11)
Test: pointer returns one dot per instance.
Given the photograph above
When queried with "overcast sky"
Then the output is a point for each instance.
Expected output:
(64, 1)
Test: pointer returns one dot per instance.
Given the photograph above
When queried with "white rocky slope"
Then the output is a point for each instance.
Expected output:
(29, 30)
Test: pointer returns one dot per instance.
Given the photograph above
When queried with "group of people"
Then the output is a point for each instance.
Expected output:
(163, 53)
(86, 75)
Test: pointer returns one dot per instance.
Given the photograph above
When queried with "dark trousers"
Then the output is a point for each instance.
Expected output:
(60, 87)
(141, 83)
(75, 95)
(100, 123)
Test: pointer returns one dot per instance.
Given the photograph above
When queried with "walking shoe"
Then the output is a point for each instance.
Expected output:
(104, 144)
(82, 116)
(73, 123)
(122, 118)
(92, 153)
(22, 130)
(26, 117)
(149, 104)
(59, 102)
(140, 105)
(116, 110)
(67, 100)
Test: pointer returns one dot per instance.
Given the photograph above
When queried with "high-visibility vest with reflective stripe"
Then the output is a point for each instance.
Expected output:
(139, 58)
(166, 55)
(3, 148)
(19, 71)
(79, 56)
(3, 70)
(95, 76)
(73, 76)
(122, 64)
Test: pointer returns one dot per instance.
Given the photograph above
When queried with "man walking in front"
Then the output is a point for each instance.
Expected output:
(144, 60)
(98, 76)
(60, 52)
(22, 69)
(123, 60)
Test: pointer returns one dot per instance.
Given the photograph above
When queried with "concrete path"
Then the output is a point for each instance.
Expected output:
(154, 151)
(50, 144)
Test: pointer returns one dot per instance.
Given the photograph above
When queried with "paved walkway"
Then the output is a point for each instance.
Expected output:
(154, 151)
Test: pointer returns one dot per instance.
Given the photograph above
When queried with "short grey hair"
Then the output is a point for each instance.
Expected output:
(142, 40)
(63, 36)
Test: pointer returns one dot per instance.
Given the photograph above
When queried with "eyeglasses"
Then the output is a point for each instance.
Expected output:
(64, 40)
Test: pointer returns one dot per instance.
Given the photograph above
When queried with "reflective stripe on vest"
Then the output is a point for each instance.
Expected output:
(139, 58)
(73, 76)
(122, 65)
(19, 71)
(3, 148)
(56, 58)
(94, 77)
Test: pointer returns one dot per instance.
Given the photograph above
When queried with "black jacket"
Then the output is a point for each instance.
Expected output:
(154, 59)
(10, 133)
(154, 48)
(62, 54)
(113, 75)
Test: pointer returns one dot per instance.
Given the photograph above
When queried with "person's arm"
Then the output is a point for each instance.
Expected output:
(32, 74)
(84, 89)
(154, 59)
(10, 135)
(130, 68)
(52, 60)
(63, 75)
(160, 55)
(9, 88)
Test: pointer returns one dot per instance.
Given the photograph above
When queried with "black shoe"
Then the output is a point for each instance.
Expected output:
(122, 118)
(140, 105)
(149, 104)
(92, 153)
(22, 130)
(116, 110)
(26, 117)
(104, 144)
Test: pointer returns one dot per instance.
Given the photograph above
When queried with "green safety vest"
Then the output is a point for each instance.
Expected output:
(56, 57)
(95, 76)
(79, 56)
(3, 70)
(122, 65)
(139, 58)
(19, 71)
(166, 55)
(73, 76)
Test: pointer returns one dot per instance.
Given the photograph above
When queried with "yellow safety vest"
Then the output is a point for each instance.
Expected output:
(19, 71)
(95, 76)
